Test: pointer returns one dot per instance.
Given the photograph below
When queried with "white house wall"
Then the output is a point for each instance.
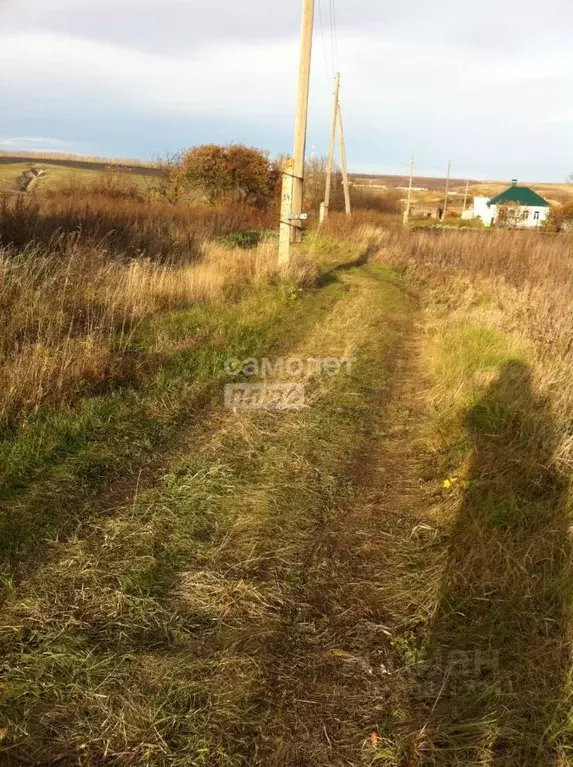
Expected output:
(482, 211)
(543, 216)
(531, 222)
(489, 214)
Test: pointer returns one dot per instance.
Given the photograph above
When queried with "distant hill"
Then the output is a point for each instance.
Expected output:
(79, 162)
(428, 183)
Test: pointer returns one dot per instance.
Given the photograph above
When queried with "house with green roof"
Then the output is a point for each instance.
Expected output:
(517, 206)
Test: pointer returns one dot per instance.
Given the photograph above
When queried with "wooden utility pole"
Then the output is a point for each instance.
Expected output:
(344, 164)
(410, 186)
(447, 191)
(301, 123)
(286, 209)
(466, 197)
(332, 143)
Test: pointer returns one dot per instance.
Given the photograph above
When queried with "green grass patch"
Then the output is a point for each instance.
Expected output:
(60, 457)
(182, 629)
(462, 359)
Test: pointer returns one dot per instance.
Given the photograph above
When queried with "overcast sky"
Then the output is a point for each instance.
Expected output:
(489, 84)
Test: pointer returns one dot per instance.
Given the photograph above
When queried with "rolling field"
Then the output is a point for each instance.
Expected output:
(63, 174)
(62, 170)
(56, 175)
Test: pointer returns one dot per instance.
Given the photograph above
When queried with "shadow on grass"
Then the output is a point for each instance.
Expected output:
(331, 274)
(370, 248)
(498, 655)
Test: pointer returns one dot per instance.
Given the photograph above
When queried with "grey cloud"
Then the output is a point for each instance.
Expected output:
(162, 26)
(488, 85)
(184, 26)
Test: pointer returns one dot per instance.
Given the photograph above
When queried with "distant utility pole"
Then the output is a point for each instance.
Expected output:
(331, 147)
(410, 186)
(301, 123)
(344, 164)
(466, 197)
(447, 190)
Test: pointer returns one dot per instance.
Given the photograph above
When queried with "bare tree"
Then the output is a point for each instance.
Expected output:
(169, 182)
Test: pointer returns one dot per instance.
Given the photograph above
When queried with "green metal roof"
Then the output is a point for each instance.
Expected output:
(519, 195)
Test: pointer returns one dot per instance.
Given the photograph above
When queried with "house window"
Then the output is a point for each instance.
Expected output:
(536, 216)
(524, 215)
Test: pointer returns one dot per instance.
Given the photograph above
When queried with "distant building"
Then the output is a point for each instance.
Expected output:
(517, 206)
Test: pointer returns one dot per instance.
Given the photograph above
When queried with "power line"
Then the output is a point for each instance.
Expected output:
(331, 8)
(335, 33)
(322, 32)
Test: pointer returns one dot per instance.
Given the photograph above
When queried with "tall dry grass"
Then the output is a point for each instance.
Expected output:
(514, 282)
(363, 229)
(68, 320)
(497, 351)
(517, 258)
(517, 283)
(118, 220)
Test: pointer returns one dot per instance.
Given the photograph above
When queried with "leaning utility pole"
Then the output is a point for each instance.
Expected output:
(447, 190)
(332, 143)
(301, 123)
(466, 197)
(410, 186)
(344, 164)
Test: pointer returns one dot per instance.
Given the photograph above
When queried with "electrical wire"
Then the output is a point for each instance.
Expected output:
(322, 32)
(335, 33)
(331, 9)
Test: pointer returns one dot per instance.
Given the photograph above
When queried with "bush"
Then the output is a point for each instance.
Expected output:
(360, 198)
(242, 173)
(116, 183)
(561, 217)
(363, 199)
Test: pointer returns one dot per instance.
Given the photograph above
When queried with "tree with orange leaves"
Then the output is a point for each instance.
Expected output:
(234, 170)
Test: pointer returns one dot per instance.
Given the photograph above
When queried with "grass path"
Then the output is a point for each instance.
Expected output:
(377, 579)
(66, 463)
(151, 636)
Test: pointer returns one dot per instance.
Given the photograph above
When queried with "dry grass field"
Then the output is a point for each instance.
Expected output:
(82, 267)
(382, 578)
